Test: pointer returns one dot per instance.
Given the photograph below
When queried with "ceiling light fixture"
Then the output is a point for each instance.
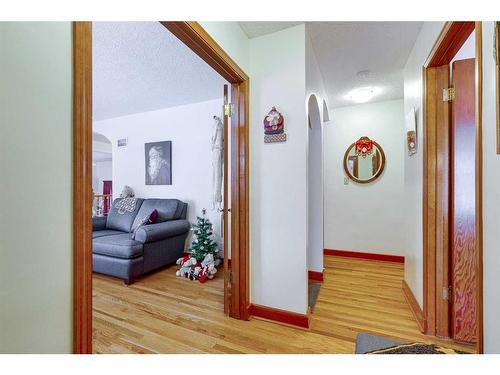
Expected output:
(362, 95)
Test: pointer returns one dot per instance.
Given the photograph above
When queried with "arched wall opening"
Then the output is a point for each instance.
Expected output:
(315, 187)
(102, 173)
(326, 114)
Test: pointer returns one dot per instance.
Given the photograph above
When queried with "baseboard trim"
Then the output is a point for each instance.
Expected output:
(360, 255)
(315, 276)
(279, 316)
(417, 312)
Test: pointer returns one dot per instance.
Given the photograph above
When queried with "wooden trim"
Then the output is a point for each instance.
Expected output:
(361, 255)
(315, 276)
(428, 229)
(280, 316)
(442, 197)
(449, 42)
(417, 312)
(193, 35)
(226, 266)
(436, 199)
(196, 38)
(82, 187)
(239, 203)
(429, 199)
(479, 185)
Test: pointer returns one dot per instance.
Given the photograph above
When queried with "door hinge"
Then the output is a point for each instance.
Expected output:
(449, 94)
(446, 293)
(228, 109)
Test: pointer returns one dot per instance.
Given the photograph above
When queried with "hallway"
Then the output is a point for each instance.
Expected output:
(165, 314)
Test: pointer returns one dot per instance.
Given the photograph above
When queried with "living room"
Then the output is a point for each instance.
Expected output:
(158, 141)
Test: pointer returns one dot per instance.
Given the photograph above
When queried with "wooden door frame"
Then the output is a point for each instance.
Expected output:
(198, 40)
(449, 42)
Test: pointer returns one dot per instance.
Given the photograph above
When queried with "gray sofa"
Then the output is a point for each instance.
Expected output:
(117, 251)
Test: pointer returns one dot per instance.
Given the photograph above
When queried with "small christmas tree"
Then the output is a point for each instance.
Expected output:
(203, 244)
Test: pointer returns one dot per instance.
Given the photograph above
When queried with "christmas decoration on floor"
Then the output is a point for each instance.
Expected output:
(201, 264)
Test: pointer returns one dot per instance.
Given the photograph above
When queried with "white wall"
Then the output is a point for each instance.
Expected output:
(315, 207)
(468, 50)
(413, 165)
(366, 217)
(190, 128)
(491, 200)
(101, 171)
(278, 186)
(315, 91)
(98, 146)
(35, 164)
(232, 39)
(491, 193)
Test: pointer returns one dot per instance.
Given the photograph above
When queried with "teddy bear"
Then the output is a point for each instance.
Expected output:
(208, 269)
(186, 263)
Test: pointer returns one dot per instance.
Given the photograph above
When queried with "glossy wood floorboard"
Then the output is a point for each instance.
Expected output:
(161, 313)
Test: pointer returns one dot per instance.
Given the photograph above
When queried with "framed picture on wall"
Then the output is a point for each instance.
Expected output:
(496, 52)
(411, 132)
(158, 163)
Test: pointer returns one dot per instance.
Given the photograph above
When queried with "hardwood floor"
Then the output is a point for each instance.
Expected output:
(165, 314)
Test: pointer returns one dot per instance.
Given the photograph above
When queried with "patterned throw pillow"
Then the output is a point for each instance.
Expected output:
(148, 219)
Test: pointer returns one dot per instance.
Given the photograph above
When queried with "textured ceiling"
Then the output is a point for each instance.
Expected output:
(345, 48)
(255, 29)
(141, 66)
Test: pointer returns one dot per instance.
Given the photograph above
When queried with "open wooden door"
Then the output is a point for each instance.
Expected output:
(225, 210)
(436, 202)
(463, 207)
(452, 190)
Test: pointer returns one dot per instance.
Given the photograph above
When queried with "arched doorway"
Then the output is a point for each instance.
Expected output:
(315, 190)
(102, 174)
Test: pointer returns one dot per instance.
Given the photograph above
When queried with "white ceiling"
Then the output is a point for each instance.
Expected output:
(141, 66)
(345, 48)
(255, 29)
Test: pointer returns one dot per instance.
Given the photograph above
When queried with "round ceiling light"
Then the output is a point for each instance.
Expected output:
(362, 95)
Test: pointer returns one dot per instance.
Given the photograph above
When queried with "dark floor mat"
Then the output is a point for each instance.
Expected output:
(313, 294)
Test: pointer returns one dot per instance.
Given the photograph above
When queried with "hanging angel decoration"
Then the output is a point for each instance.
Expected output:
(217, 163)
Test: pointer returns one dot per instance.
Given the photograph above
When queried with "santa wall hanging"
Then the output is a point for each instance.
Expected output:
(274, 127)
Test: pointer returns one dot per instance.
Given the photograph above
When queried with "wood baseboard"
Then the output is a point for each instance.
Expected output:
(315, 276)
(360, 255)
(417, 312)
(279, 316)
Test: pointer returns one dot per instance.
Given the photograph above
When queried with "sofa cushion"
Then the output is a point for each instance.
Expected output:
(122, 219)
(118, 246)
(161, 231)
(105, 232)
(148, 219)
(168, 209)
(99, 223)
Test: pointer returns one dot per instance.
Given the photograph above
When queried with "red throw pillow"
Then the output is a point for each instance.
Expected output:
(149, 219)
(153, 216)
